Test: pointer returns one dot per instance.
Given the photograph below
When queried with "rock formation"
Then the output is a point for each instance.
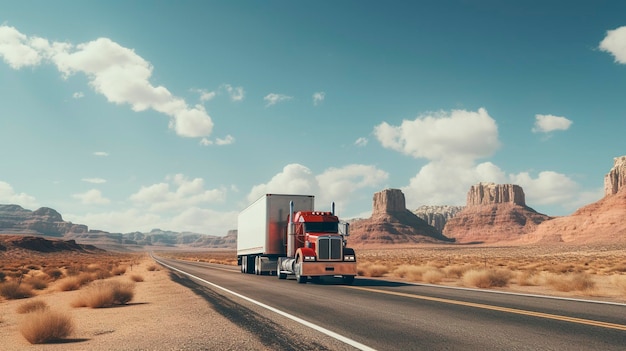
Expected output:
(603, 221)
(392, 223)
(615, 180)
(44, 221)
(494, 212)
(437, 216)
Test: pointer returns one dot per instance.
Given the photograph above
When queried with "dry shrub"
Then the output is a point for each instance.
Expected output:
(32, 306)
(106, 294)
(620, 282)
(527, 278)
(433, 276)
(411, 272)
(46, 326)
(456, 271)
(75, 282)
(120, 270)
(14, 290)
(571, 282)
(372, 270)
(136, 278)
(37, 283)
(487, 278)
(152, 268)
(54, 273)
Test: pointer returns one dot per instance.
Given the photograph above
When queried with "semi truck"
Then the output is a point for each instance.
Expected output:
(283, 235)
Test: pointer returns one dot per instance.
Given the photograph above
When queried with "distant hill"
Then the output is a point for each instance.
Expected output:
(48, 222)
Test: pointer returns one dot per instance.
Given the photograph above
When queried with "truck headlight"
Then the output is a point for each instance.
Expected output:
(309, 258)
(350, 258)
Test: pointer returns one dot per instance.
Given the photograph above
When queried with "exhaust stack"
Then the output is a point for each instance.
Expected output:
(291, 233)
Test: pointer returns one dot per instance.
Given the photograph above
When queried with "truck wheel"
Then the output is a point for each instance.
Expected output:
(257, 265)
(299, 278)
(278, 273)
(348, 279)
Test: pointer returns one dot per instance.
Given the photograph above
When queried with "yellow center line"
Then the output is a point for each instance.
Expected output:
(498, 308)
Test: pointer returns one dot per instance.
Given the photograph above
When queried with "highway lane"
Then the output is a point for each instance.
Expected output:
(386, 315)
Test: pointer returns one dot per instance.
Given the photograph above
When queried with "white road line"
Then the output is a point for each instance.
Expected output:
(320, 329)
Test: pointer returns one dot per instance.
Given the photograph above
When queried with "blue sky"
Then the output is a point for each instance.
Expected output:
(130, 116)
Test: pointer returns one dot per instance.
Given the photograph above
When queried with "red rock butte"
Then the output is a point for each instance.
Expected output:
(392, 223)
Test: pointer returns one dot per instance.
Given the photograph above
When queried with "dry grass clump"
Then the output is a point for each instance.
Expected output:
(13, 290)
(571, 282)
(136, 278)
(456, 271)
(487, 278)
(74, 282)
(46, 326)
(106, 294)
(620, 282)
(152, 268)
(54, 273)
(37, 283)
(120, 270)
(32, 306)
(372, 269)
(429, 273)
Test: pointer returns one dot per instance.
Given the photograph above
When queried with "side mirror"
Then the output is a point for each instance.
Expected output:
(344, 228)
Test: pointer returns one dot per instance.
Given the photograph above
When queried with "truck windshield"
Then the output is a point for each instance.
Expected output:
(321, 227)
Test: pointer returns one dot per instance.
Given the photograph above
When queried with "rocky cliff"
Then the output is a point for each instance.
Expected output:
(44, 221)
(392, 223)
(437, 216)
(603, 221)
(615, 180)
(494, 212)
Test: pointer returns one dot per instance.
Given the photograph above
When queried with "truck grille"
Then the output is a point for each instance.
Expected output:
(329, 248)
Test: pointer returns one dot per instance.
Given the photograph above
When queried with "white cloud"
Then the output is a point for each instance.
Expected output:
(185, 193)
(361, 141)
(9, 196)
(334, 184)
(294, 179)
(235, 93)
(114, 71)
(447, 183)
(94, 180)
(16, 48)
(206, 95)
(229, 139)
(101, 153)
(338, 184)
(549, 123)
(78, 95)
(273, 99)
(615, 44)
(458, 134)
(92, 197)
(318, 97)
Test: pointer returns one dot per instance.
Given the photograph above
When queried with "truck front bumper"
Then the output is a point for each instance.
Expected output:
(312, 269)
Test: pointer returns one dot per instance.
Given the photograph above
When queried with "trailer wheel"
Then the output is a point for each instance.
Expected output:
(299, 278)
(257, 265)
(244, 263)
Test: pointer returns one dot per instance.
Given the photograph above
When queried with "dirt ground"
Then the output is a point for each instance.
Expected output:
(163, 315)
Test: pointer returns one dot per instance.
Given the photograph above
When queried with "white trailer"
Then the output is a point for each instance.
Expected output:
(261, 230)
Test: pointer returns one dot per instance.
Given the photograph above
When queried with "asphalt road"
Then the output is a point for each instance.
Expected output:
(386, 315)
